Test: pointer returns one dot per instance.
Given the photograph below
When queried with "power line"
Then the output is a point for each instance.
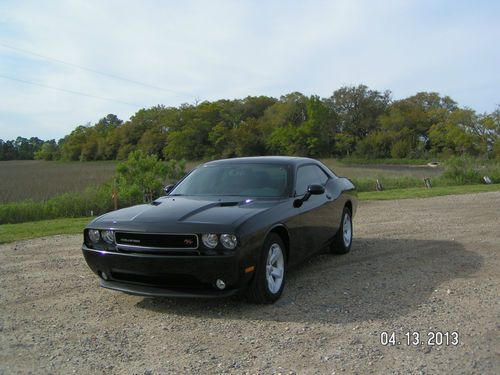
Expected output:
(96, 71)
(68, 91)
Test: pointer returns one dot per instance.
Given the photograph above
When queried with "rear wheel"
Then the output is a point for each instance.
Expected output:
(269, 279)
(343, 238)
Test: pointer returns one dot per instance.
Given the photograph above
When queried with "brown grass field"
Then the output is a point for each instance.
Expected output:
(39, 180)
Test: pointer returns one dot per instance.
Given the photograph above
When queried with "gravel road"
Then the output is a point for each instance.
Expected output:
(426, 265)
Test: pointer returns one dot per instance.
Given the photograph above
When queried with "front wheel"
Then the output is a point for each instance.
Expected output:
(343, 238)
(269, 279)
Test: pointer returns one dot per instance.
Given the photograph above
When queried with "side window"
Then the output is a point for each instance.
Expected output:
(307, 175)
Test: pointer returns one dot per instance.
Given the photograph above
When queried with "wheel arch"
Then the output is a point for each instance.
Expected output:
(282, 231)
(348, 204)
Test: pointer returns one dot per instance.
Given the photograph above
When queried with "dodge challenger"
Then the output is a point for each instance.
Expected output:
(229, 226)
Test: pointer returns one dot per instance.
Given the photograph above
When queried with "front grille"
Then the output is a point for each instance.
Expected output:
(155, 241)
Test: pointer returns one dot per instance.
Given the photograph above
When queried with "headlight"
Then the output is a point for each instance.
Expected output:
(229, 241)
(108, 236)
(210, 240)
(94, 235)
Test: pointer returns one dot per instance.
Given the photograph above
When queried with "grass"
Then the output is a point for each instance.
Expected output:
(39, 180)
(380, 171)
(23, 231)
(353, 161)
(426, 193)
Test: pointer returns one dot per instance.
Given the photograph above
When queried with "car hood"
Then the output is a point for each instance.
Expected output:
(179, 213)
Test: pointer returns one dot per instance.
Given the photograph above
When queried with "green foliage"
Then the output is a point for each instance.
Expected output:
(462, 170)
(20, 148)
(466, 170)
(401, 149)
(142, 177)
(357, 109)
(354, 120)
(96, 200)
(376, 145)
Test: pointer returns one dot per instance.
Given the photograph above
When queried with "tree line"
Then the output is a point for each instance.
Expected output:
(353, 121)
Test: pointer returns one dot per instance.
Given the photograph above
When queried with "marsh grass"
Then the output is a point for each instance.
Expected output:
(92, 201)
(39, 180)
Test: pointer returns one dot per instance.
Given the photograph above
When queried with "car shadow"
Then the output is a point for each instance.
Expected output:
(378, 279)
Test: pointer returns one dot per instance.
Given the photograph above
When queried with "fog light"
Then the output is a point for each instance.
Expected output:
(104, 276)
(220, 284)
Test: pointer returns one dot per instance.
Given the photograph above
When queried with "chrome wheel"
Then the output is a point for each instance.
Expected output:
(347, 229)
(275, 268)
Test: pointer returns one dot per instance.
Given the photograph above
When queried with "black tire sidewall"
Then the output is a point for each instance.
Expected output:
(346, 212)
(338, 246)
(261, 273)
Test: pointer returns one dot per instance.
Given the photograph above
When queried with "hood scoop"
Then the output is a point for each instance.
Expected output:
(227, 204)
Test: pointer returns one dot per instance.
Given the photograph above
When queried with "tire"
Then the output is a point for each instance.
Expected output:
(342, 241)
(268, 283)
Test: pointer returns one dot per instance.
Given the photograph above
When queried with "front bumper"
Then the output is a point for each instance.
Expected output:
(150, 291)
(170, 275)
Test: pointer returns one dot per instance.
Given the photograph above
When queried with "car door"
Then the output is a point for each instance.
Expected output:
(314, 217)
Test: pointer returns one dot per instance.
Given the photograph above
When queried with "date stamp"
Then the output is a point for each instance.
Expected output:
(417, 338)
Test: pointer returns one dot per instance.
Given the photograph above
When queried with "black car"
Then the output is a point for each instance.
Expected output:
(229, 226)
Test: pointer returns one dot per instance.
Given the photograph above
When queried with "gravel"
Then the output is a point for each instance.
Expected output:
(426, 265)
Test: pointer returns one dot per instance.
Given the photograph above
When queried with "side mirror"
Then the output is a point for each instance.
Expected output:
(315, 189)
(311, 190)
(167, 189)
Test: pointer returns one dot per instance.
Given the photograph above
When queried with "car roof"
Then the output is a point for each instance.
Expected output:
(289, 160)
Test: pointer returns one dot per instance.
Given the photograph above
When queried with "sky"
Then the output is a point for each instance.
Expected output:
(69, 63)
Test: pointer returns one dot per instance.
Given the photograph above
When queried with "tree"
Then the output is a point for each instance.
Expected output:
(248, 138)
(357, 109)
(407, 122)
(142, 177)
(48, 151)
(460, 133)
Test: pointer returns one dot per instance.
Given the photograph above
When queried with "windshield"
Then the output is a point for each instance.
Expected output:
(248, 180)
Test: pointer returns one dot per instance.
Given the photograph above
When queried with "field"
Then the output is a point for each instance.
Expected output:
(425, 265)
(41, 180)
(381, 170)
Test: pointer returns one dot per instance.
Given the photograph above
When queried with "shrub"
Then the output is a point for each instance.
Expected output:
(142, 177)
(401, 149)
(462, 170)
(94, 200)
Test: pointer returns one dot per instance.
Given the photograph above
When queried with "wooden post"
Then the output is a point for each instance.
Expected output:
(427, 183)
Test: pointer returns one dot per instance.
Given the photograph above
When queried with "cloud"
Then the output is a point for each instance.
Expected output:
(230, 49)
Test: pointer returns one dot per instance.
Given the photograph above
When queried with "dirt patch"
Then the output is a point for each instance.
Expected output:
(429, 265)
